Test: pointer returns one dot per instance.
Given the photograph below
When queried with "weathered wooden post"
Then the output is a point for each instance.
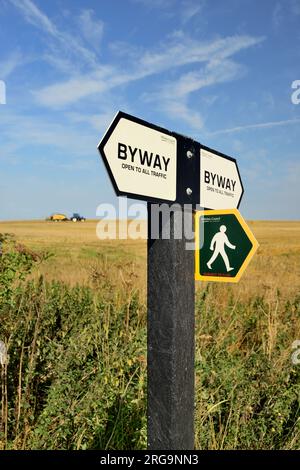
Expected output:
(170, 339)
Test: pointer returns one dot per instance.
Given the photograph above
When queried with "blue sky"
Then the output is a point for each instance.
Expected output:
(220, 72)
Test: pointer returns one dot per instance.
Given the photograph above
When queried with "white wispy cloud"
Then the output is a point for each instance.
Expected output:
(179, 109)
(183, 50)
(213, 73)
(178, 51)
(261, 125)
(284, 10)
(184, 10)
(99, 121)
(162, 4)
(218, 68)
(35, 16)
(70, 43)
(64, 93)
(92, 28)
(212, 62)
(8, 65)
(277, 15)
(190, 9)
(173, 96)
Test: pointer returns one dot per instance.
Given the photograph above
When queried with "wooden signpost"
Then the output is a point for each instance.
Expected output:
(164, 168)
(171, 311)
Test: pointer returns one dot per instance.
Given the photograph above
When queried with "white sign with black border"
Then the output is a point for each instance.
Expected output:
(220, 182)
(140, 158)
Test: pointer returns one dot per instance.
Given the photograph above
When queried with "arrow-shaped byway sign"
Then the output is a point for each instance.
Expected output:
(220, 182)
(140, 158)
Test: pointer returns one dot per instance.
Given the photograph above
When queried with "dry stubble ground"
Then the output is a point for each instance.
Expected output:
(77, 249)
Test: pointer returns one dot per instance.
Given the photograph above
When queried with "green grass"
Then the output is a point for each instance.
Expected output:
(76, 377)
(76, 372)
(248, 393)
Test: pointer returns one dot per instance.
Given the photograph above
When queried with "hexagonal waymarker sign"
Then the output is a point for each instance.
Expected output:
(141, 159)
(224, 245)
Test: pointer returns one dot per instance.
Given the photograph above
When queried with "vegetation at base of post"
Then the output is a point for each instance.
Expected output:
(248, 390)
(76, 376)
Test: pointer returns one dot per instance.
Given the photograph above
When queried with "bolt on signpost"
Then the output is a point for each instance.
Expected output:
(164, 168)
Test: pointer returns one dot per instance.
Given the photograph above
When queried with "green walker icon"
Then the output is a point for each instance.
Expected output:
(217, 245)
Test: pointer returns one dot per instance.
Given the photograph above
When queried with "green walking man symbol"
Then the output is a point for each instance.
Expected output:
(217, 245)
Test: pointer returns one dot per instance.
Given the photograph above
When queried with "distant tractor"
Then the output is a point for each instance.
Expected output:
(58, 218)
(77, 218)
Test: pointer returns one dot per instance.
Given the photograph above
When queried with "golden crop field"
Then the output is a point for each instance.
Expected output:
(77, 252)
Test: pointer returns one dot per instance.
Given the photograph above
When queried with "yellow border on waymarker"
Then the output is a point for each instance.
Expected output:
(255, 245)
